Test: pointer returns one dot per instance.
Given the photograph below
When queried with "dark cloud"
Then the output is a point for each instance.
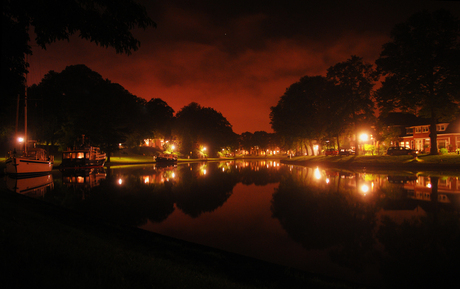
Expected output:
(237, 57)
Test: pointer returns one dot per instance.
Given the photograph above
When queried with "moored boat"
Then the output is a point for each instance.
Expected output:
(34, 161)
(83, 156)
(169, 158)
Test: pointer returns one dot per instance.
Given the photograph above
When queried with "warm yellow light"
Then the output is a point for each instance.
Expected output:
(364, 188)
(173, 147)
(20, 139)
(120, 181)
(364, 137)
(204, 148)
(317, 174)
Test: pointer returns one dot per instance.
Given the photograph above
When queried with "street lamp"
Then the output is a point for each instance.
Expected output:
(364, 138)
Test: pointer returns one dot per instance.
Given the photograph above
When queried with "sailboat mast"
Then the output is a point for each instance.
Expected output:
(25, 113)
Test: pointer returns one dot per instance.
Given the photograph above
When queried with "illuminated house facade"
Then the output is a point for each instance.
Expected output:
(418, 136)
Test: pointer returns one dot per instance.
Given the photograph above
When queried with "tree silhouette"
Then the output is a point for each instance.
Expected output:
(196, 125)
(355, 79)
(79, 101)
(106, 23)
(302, 113)
(421, 68)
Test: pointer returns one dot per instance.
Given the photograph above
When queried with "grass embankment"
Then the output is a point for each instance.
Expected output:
(421, 162)
(48, 246)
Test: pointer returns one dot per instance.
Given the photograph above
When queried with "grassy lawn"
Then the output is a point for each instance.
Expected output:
(448, 159)
(451, 160)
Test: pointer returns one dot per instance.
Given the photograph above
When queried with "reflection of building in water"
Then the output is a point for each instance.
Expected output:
(421, 189)
(401, 212)
(419, 199)
(256, 165)
(160, 175)
(85, 179)
(32, 187)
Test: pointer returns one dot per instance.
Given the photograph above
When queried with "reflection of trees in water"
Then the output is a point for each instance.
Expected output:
(196, 194)
(260, 175)
(425, 251)
(130, 204)
(322, 218)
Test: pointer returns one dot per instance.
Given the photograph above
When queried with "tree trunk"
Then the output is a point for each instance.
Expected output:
(356, 143)
(338, 143)
(433, 136)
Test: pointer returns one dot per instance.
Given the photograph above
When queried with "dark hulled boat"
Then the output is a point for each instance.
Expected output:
(83, 156)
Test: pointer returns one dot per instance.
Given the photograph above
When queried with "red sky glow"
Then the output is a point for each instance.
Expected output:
(237, 57)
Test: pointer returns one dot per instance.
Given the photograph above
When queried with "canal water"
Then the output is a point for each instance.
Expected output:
(399, 229)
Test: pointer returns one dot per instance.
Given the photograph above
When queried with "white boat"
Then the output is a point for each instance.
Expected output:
(34, 161)
(36, 186)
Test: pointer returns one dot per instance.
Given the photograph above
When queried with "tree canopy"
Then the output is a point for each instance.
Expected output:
(197, 126)
(79, 101)
(421, 66)
(106, 23)
(355, 80)
(305, 111)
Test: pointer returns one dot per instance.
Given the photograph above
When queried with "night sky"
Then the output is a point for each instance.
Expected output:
(237, 57)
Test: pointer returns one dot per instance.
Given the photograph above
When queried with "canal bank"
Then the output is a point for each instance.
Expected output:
(448, 162)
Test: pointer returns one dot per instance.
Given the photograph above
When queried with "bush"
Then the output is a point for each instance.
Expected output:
(443, 151)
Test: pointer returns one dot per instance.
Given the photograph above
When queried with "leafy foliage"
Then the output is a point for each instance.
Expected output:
(106, 23)
(305, 111)
(421, 68)
(79, 101)
(196, 125)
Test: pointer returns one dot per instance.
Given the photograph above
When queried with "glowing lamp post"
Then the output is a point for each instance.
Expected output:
(364, 138)
(203, 152)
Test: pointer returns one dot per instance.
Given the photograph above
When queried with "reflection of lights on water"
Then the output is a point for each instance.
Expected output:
(317, 174)
(120, 181)
(364, 189)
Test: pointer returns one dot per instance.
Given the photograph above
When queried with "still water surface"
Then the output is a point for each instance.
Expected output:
(387, 229)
